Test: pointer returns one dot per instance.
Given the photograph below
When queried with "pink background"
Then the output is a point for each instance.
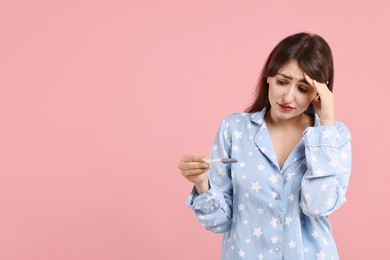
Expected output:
(99, 99)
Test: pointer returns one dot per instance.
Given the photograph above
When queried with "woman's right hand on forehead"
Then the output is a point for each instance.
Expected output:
(194, 168)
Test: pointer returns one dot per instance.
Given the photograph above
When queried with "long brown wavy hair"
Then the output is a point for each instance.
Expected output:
(312, 54)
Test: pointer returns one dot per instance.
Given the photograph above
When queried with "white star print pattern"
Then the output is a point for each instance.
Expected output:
(258, 206)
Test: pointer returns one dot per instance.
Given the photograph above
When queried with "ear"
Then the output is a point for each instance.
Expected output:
(316, 97)
(268, 79)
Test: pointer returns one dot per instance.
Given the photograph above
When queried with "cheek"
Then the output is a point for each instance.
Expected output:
(274, 92)
(305, 100)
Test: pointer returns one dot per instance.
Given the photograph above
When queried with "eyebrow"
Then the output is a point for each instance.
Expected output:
(289, 77)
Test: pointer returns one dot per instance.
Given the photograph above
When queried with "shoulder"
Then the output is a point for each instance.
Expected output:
(237, 119)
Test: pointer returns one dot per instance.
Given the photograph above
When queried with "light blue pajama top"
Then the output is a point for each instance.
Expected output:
(265, 212)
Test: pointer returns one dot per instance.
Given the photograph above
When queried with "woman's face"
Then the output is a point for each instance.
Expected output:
(289, 94)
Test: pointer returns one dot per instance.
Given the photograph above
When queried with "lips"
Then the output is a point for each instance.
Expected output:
(285, 108)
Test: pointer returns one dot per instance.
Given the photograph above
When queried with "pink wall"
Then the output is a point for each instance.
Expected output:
(99, 99)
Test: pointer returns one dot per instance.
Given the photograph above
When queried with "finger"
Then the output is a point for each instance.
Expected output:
(193, 165)
(193, 172)
(318, 86)
(193, 158)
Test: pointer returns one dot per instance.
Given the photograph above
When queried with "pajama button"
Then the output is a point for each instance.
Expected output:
(277, 249)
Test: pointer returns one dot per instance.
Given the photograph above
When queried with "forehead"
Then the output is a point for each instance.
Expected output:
(292, 69)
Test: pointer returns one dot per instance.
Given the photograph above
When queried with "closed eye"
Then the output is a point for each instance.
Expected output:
(302, 90)
(281, 82)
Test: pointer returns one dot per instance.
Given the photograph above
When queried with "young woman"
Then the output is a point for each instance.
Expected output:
(293, 162)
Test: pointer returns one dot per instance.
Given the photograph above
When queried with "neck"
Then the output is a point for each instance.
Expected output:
(275, 121)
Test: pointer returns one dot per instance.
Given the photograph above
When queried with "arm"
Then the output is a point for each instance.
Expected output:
(213, 207)
(328, 156)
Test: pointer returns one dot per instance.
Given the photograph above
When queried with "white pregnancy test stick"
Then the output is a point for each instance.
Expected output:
(221, 161)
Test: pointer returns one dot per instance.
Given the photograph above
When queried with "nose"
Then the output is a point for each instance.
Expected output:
(288, 96)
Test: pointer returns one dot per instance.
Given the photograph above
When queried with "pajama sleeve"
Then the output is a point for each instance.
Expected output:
(214, 207)
(328, 157)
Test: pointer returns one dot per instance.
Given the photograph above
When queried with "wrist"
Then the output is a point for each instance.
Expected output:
(203, 186)
(327, 123)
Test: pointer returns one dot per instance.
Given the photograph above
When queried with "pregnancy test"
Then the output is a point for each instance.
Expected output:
(221, 161)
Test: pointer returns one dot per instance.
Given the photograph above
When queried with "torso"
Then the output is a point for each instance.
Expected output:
(284, 141)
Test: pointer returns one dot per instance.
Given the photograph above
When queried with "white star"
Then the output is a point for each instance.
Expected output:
(247, 240)
(260, 211)
(235, 148)
(326, 133)
(245, 222)
(319, 172)
(250, 153)
(288, 220)
(213, 196)
(260, 167)
(325, 241)
(270, 204)
(274, 240)
(274, 222)
(263, 149)
(334, 163)
(221, 171)
(274, 178)
(315, 234)
(321, 255)
(261, 256)
(292, 243)
(257, 232)
(241, 253)
(237, 135)
(330, 201)
(290, 175)
(274, 194)
(227, 124)
(324, 186)
(242, 164)
(256, 186)
(241, 207)
(249, 126)
(215, 147)
(291, 197)
(225, 134)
